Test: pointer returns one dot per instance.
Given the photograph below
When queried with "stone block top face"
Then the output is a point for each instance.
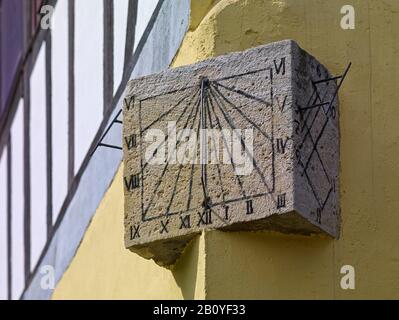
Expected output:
(244, 141)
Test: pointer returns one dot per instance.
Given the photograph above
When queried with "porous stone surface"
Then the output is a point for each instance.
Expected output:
(276, 103)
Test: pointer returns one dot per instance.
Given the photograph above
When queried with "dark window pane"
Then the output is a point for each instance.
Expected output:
(11, 44)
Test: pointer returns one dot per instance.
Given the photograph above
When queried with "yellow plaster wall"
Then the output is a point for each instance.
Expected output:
(104, 269)
(267, 265)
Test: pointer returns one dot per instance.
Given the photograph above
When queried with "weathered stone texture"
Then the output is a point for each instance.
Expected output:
(274, 90)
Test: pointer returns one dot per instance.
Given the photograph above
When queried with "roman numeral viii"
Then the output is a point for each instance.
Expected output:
(133, 182)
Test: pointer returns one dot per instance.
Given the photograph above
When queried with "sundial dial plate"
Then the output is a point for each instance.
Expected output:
(264, 166)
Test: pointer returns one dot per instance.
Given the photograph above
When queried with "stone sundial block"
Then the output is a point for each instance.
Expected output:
(247, 141)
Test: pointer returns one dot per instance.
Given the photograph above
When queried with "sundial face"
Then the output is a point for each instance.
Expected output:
(230, 143)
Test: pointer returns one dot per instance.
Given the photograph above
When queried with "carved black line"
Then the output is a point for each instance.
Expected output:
(226, 145)
(245, 116)
(241, 92)
(190, 188)
(168, 92)
(204, 150)
(177, 121)
(240, 75)
(180, 168)
(213, 140)
(232, 126)
(328, 116)
(167, 162)
(170, 110)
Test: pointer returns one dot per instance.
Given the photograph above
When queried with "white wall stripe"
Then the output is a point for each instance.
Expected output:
(60, 105)
(88, 75)
(17, 203)
(3, 226)
(38, 157)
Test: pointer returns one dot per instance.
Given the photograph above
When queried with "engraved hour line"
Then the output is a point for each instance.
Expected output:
(174, 126)
(180, 167)
(203, 154)
(247, 119)
(241, 92)
(241, 74)
(226, 146)
(168, 92)
(305, 125)
(204, 109)
(328, 117)
(190, 188)
(168, 112)
(304, 139)
(315, 91)
(308, 104)
(141, 161)
(221, 79)
(308, 133)
(272, 123)
(214, 150)
(232, 126)
(167, 164)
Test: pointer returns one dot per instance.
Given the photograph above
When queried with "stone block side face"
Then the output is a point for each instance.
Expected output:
(255, 90)
(316, 139)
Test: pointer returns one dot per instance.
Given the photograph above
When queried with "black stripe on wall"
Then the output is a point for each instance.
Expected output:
(27, 182)
(49, 134)
(108, 54)
(9, 219)
(71, 90)
(130, 33)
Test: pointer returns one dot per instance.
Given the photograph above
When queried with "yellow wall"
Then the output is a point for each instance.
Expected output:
(104, 269)
(267, 265)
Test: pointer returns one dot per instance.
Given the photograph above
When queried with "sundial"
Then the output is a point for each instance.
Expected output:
(243, 142)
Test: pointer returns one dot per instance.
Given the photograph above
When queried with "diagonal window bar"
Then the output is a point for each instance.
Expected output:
(100, 143)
